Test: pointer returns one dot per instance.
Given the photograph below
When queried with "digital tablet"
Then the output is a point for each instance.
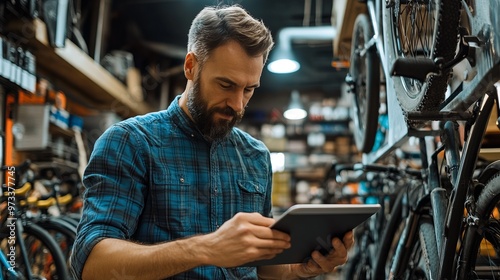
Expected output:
(312, 227)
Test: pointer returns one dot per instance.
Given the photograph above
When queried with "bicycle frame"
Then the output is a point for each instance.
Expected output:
(5, 266)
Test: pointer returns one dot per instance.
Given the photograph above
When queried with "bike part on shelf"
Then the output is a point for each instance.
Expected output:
(364, 82)
(420, 30)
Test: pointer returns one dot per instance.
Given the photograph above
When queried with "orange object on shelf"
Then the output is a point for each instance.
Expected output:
(60, 100)
(341, 64)
(9, 136)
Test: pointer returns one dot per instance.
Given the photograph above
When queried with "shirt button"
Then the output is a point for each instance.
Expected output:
(182, 180)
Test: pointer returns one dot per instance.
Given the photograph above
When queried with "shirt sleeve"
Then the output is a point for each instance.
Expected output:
(115, 181)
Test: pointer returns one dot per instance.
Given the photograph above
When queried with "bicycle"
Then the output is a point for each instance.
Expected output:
(388, 185)
(31, 251)
(423, 230)
(419, 44)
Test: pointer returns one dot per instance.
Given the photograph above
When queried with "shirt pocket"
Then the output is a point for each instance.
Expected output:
(251, 196)
(172, 206)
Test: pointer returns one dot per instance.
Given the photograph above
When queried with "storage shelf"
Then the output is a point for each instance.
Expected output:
(84, 76)
(490, 154)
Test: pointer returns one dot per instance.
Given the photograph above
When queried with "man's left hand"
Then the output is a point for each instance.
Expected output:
(320, 264)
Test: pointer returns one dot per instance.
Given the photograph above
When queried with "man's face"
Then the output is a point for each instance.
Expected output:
(205, 118)
(222, 88)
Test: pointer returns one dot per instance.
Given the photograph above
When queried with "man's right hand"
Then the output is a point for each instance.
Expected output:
(244, 238)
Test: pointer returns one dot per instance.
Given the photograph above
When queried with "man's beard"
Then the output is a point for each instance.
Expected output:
(204, 117)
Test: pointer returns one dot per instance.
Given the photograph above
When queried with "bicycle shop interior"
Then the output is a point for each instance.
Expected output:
(70, 69)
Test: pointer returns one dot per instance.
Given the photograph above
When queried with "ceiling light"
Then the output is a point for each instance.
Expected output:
(295, 110)
(283, 66)
(282, 59)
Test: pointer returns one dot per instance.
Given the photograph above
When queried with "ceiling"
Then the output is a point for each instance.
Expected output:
(155, 31)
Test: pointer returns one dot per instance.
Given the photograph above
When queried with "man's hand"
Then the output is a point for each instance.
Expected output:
(319, 264)
(244, 238)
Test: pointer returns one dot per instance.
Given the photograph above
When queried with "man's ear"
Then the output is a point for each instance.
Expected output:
(189, 65)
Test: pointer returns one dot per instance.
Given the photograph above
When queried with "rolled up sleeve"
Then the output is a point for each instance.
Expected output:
(115, 181)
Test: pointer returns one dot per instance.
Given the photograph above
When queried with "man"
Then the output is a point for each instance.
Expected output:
(181, 193)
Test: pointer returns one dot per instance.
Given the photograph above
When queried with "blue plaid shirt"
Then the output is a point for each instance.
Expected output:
(154, 178)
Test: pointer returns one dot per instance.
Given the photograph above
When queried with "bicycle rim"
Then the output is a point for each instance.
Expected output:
(422, 28)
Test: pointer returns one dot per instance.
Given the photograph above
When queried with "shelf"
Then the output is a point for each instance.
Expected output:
(328, 135)
(490, 154)
(74, 68)
(56, 130)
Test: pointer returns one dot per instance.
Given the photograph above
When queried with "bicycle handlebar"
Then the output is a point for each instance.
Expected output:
(21, 167)
(378, 168)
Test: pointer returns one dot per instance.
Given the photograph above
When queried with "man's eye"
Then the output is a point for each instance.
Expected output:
(225, 86)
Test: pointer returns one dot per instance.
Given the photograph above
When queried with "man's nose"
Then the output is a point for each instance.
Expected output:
(236, 100)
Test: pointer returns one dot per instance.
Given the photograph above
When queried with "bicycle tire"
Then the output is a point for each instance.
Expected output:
(438, 40)
(33, 233)
(63, 232)
(72, 218)
(479, 241)
(365, 71)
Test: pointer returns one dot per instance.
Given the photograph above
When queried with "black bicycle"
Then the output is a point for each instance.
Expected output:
(440, 60)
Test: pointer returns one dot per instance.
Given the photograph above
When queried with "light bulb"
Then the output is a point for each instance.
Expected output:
(283, 66)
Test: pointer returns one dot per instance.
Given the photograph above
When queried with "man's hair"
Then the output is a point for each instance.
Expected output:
(215, 26)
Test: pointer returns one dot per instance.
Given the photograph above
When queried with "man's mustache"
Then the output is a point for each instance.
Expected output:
(228, 111)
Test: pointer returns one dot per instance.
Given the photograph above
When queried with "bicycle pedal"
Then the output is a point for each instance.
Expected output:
(438, 116)
(416, 68)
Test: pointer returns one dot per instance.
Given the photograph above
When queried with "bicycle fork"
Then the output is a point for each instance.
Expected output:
(439, 195)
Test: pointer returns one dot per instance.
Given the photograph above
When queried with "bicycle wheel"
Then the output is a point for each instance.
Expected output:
(46, 259)
(423, 260)
(417, 29)
(480, 254)
(365, 71)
